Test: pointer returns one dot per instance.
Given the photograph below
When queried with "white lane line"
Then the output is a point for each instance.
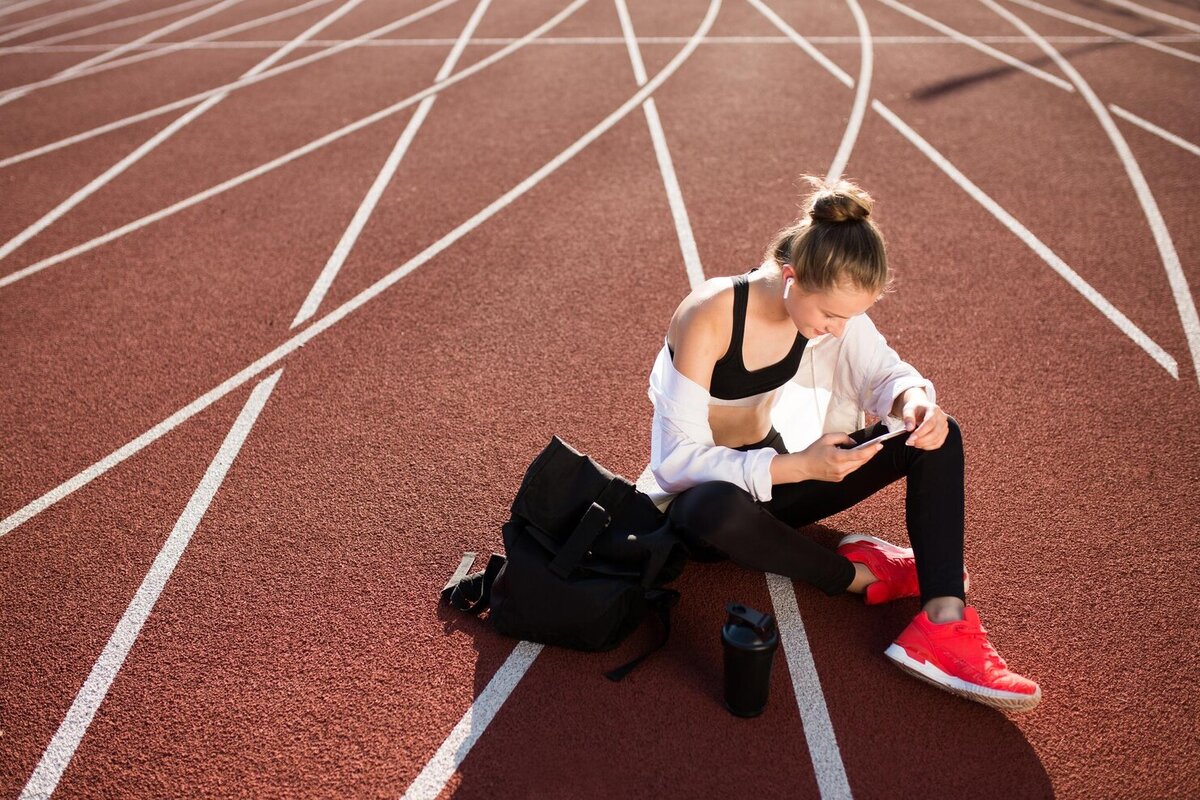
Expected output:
(1185, 304)
(1150, 127)
(329, 320)
(449, 757)
(679, 215)
(1053, 80)
(367, 207)
(158, 50)
(433, 778)
(1114, 32)
(861, 95)
(286, 158)
(1106, 308)
(818, 729)
(974, 42)
(206, 42)
(74, 726)
(153, 142)
(120, 50)
(108, 26)
(862, 92)
(828, 767)
(21, 6)
(806, 684)
(795, 38)
(1158, 15)
(228, 87)
(54, 19)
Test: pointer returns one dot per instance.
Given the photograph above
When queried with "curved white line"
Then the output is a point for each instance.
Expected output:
(366, 208)
(299, 340)
(432, 779)
(971, 41)
(862, 94)
(1184, 302)
(1053, 80)
(1158, 15)
(74, 726)
(813, 53)
(162, 49)
(662, 154)
(1150, 127)
(1052, 260)
(1111, 312)
(1114, 32)
(109, 55)
(224, 88)
(54, 19)
(21, 6)
(108, 26)
(263, 169)
(374, 290)
(55, 214)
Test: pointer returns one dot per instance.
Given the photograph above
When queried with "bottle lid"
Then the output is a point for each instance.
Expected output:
(748, 628)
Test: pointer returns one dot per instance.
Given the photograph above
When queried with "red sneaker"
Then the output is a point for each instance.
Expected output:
(957, 657)
(895, 567)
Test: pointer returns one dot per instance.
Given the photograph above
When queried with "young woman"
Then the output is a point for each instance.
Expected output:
(736, 492)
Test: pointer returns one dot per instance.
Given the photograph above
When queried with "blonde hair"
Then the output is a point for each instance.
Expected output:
(835, 243)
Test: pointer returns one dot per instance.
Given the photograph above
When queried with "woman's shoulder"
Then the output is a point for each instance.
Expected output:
(704, 317)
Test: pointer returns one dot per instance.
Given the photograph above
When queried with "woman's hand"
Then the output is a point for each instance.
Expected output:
(926, 420)
(824, 460)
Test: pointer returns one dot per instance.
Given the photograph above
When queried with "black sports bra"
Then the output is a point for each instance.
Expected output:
(730, 378)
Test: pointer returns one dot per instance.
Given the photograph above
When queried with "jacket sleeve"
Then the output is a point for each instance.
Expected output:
(874, 374)
(682, 451)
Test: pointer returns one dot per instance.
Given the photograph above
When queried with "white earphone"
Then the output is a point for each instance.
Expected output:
(787, 287)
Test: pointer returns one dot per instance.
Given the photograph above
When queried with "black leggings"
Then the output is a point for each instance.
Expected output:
(719, 520)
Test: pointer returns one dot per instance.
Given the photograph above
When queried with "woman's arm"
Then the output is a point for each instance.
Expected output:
(873, 373)
(682, 451)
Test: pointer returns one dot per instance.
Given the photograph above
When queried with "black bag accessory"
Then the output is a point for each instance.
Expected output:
(587, 557)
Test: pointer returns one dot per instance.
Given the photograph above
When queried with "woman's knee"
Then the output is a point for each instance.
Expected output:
(954, 437)
(711, 511)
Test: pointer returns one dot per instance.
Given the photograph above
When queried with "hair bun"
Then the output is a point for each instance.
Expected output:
(837, 202)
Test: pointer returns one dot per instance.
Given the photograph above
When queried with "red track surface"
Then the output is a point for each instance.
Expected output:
(297, 650)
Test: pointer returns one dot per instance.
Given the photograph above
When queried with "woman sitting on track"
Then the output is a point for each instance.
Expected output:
(801, 315)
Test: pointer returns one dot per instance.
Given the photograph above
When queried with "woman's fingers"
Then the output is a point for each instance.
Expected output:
(931, 433)
(837, 439)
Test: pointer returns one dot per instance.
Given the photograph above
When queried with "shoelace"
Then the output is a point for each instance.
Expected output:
(990, 656)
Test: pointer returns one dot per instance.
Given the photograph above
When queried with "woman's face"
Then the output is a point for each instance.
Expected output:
(825, 311)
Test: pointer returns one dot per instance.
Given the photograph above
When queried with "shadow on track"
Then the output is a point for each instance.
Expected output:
(936, 90)
(898, 735)
(663, 732)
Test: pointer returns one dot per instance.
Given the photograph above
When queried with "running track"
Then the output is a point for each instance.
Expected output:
(232, 487)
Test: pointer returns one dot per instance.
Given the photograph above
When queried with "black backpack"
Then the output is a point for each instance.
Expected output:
(587, 557)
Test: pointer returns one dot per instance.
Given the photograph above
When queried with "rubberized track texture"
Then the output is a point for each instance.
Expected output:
(272, 358)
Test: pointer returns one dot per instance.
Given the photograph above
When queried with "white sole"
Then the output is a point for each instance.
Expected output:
(850, 538)
(996, 698)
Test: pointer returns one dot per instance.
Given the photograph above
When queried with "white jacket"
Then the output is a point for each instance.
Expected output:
(837, 381)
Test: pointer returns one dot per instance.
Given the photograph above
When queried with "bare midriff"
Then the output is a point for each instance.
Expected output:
(734, 426)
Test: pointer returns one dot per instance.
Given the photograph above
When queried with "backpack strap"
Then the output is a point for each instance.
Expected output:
(472, 593)
(661, 601)
(593, 522)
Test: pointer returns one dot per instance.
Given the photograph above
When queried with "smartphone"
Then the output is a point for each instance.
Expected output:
(880, 439)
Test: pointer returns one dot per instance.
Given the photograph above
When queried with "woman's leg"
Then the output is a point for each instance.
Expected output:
(720, 520)
(934, 507)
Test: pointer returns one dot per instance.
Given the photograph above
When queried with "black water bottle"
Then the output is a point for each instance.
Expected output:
(750, 639)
